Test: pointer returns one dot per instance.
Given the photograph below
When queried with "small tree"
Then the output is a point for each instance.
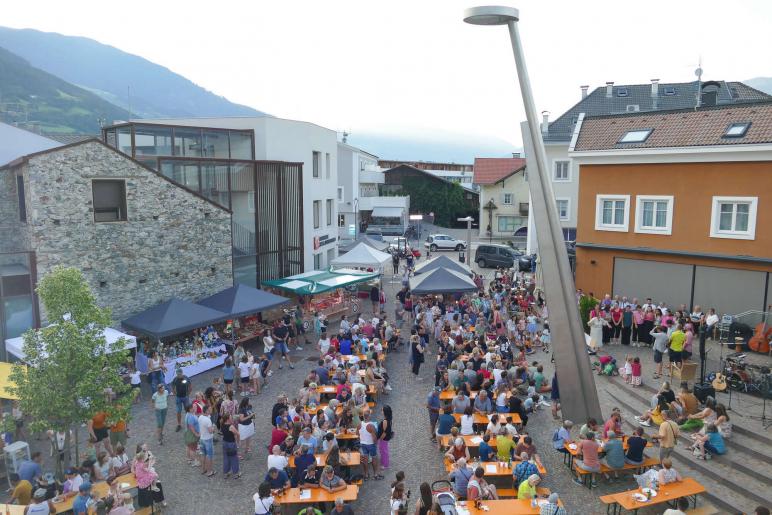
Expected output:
(71, 370)
(586, 303)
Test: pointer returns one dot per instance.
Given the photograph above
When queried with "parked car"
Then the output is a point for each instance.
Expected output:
(496, 255)
(375, 234)
(399, 244)
(442, 241)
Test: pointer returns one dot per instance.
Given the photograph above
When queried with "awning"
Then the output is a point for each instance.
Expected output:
(172, 317)
(242, 300)
(442, 261)
(15, 346)
(388, 212)
(5, 382)
(441, 280)
(319, 281)
(362, 256)
(346, 246)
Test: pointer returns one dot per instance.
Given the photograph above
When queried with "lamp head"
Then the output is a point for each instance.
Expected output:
(491, 15)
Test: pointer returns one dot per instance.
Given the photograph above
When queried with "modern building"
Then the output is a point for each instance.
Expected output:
(137, 236)
(677, 205)
(504, 200)
(286, 215)
(622, 99)
(427, 165)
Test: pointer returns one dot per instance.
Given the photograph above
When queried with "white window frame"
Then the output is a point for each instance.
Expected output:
(642, 229)
(327, 165)
(504, 198)
(599, 225)
(568, 208)
(715, 217)
(317, 213)
(251, 201)
(340, 193)
(555, 178)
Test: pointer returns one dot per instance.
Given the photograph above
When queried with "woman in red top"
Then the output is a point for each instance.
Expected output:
(458, 450)
(616, 323)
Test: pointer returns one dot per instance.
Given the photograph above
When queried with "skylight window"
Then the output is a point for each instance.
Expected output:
(737, 130)
(622, 92)
(668, 91)
(636, 136)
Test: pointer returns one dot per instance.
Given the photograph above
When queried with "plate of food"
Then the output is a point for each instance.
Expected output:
(649, 492)
(572, 446)
(640, 497)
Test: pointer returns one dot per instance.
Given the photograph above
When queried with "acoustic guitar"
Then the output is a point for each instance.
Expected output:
(762, 333)
(719, 383)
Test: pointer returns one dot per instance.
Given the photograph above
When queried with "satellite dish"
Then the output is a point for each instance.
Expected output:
(698, 72)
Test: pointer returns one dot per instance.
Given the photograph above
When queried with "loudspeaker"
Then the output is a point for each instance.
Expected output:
(704, 390)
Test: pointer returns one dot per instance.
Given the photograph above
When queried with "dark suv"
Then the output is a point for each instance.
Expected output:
(495, 255)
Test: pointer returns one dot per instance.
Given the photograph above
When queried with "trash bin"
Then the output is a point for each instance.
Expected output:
(461, 256)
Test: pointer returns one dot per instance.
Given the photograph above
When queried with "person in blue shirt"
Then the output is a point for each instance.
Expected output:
(302, 462)
(482, 404)
(307, 439)
(562, 436)
(345, 346)
(29, 470)
(433, 406)
(486, 451)
(711, 442)
(460, 477)
(277, 478)
(615, 454)
(82, 501)
(445, 422)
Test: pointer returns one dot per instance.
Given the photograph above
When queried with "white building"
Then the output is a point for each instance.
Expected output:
(503, 197)
(316, 147)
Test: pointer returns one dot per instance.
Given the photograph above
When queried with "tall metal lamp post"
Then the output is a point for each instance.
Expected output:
(579, 398)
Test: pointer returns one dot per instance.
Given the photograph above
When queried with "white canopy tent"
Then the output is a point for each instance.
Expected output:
(15, 346)
(362, 256)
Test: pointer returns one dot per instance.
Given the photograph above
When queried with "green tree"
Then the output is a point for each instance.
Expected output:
(70, 374)
(586, 303)
(445, 200)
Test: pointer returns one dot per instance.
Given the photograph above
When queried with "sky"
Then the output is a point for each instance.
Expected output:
(413, 66)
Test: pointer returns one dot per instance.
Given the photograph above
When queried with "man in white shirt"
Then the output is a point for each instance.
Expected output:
(276, 459)
(345, 325)
(682, 505)
(206, 439)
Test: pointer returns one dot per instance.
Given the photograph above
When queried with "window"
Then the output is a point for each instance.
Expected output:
(563, 207)
(317, 156)
(636, 136)
(327, 169)
(668, 91)
(251, 201)
(507, 199)
(340, 193)
(622, 92)
(509, 223)
(329, 211)
(341, 220)
(611, 212)
(562, 171)
(317, 213)
(654, 214)
(734, 217)
(737, 130)
(109, 200)
(317, 261)
(22, 198)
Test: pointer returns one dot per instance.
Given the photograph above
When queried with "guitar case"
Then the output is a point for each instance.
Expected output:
(704, 390)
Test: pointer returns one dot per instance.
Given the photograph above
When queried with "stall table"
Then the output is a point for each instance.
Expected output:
(501, 507)
(316, 495)
(199, 367)
(689, 488)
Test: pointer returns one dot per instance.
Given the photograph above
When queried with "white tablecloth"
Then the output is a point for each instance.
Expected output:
(196, 368)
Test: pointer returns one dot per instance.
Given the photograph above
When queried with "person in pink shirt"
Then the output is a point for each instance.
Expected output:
(616, 323)
(614, 423)
(588, 449)
(637, 322)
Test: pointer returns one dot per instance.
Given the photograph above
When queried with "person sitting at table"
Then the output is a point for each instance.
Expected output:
(263, 499)
(681, 507)
(590, 425)
(516, 406)
(588, 450)
(523, 470)
(562, 436)
(711, 442)
(467, 422)
(504, 444)
(614, 423)
(494, 426)
(486, 451)
(460, 476)
(482, 404)
(458, 450)
(527, 488)
(445, 422)
(615, 455)
(83, 501)
(552, 506)
(635, 447)
(278, 479)
(330, 482)
(277, 459)
(343, 393)
(478, 488)
(526, 445)
(310, 477)
(308, 441)
(39, 504)
(460, 402)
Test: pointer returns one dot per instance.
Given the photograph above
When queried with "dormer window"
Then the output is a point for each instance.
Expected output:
(668, 91)
(622, 92)
(737, 130)
(636, 136)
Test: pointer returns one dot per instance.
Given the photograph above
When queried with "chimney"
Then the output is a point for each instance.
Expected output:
(654, 88)
(584, 91)
(609, 89)
(545, 123)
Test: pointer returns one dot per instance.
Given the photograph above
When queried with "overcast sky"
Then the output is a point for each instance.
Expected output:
(414, 65)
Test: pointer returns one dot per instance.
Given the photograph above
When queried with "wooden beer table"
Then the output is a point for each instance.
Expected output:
(688, 487)
(316, 495)
(505, 507)
(347, 459)
(483, 420)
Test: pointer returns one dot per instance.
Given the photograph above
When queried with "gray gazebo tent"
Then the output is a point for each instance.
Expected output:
(240, 300)
(370, 242)
(172, 317)
(442, 262)
(442, 280)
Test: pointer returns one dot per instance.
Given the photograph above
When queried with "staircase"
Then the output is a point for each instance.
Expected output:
(739, 480)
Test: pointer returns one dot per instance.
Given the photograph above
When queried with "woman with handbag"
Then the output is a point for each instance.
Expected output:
(246, 418)
(385, 433)
(398, 501)
(417, 349)
(263, 499)
(230, 447)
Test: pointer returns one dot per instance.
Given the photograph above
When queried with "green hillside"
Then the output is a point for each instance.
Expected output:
(34, 99)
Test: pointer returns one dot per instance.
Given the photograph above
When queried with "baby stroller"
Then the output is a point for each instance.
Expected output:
(442, 491)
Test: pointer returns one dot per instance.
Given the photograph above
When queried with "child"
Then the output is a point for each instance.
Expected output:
(545, 339)
(602, 363)
(627, 370)
(636, 372)
(136, 384)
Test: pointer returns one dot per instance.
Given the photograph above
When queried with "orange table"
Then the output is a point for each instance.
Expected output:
(504, 507)
(292, 496)
(12, 509)
(339, 409)
(480, 419)
(350, 434)
(493, 468)
(448, 395)
(665, 493)
(573, 451)
(347, 459)
(331, 389)
(98, 491)
(471, 441)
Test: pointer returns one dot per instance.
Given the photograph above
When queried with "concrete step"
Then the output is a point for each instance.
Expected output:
(731, 482)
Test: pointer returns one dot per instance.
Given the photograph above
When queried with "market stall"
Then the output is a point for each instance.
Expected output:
(363, 238)
(442, 280)
(442, 262)
(15, 346)
(325, 292)
(363, 256)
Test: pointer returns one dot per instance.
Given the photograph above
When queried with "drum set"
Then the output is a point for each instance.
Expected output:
(745, 377)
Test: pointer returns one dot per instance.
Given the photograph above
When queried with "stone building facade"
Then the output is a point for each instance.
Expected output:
(167, 241)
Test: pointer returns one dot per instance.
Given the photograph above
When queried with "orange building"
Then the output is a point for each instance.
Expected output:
(677, 206)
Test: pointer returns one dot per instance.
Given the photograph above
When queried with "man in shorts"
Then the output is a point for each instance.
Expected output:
(181, 386)
(206, 432)
(99, 432)
(367, 446)
(280, 336)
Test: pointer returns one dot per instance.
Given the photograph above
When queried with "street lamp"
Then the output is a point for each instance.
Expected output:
(356, 218)
(579, 398)
(468, 249)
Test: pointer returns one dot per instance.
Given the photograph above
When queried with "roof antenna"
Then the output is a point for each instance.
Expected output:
(345, 136)
(698, 73)
(128, 99)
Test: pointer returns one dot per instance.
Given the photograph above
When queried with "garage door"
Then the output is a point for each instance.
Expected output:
(728, 290)
(668, 282)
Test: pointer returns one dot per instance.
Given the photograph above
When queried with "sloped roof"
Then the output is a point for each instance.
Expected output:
(684, 96)
(363, 255)
(441, 280)
(490, 170)
(240, 300)
(442, 261)
(683, 128)
(16, 143)
(175, 316)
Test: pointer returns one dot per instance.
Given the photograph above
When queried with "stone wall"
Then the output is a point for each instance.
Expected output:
(13, 233)
(173, 244)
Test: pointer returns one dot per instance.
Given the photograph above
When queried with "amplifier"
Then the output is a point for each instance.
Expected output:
(704, 390)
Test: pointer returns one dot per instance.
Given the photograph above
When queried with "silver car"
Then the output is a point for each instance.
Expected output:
(443, 242)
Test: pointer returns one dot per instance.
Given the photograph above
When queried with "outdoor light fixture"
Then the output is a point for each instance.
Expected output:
(579, 398)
